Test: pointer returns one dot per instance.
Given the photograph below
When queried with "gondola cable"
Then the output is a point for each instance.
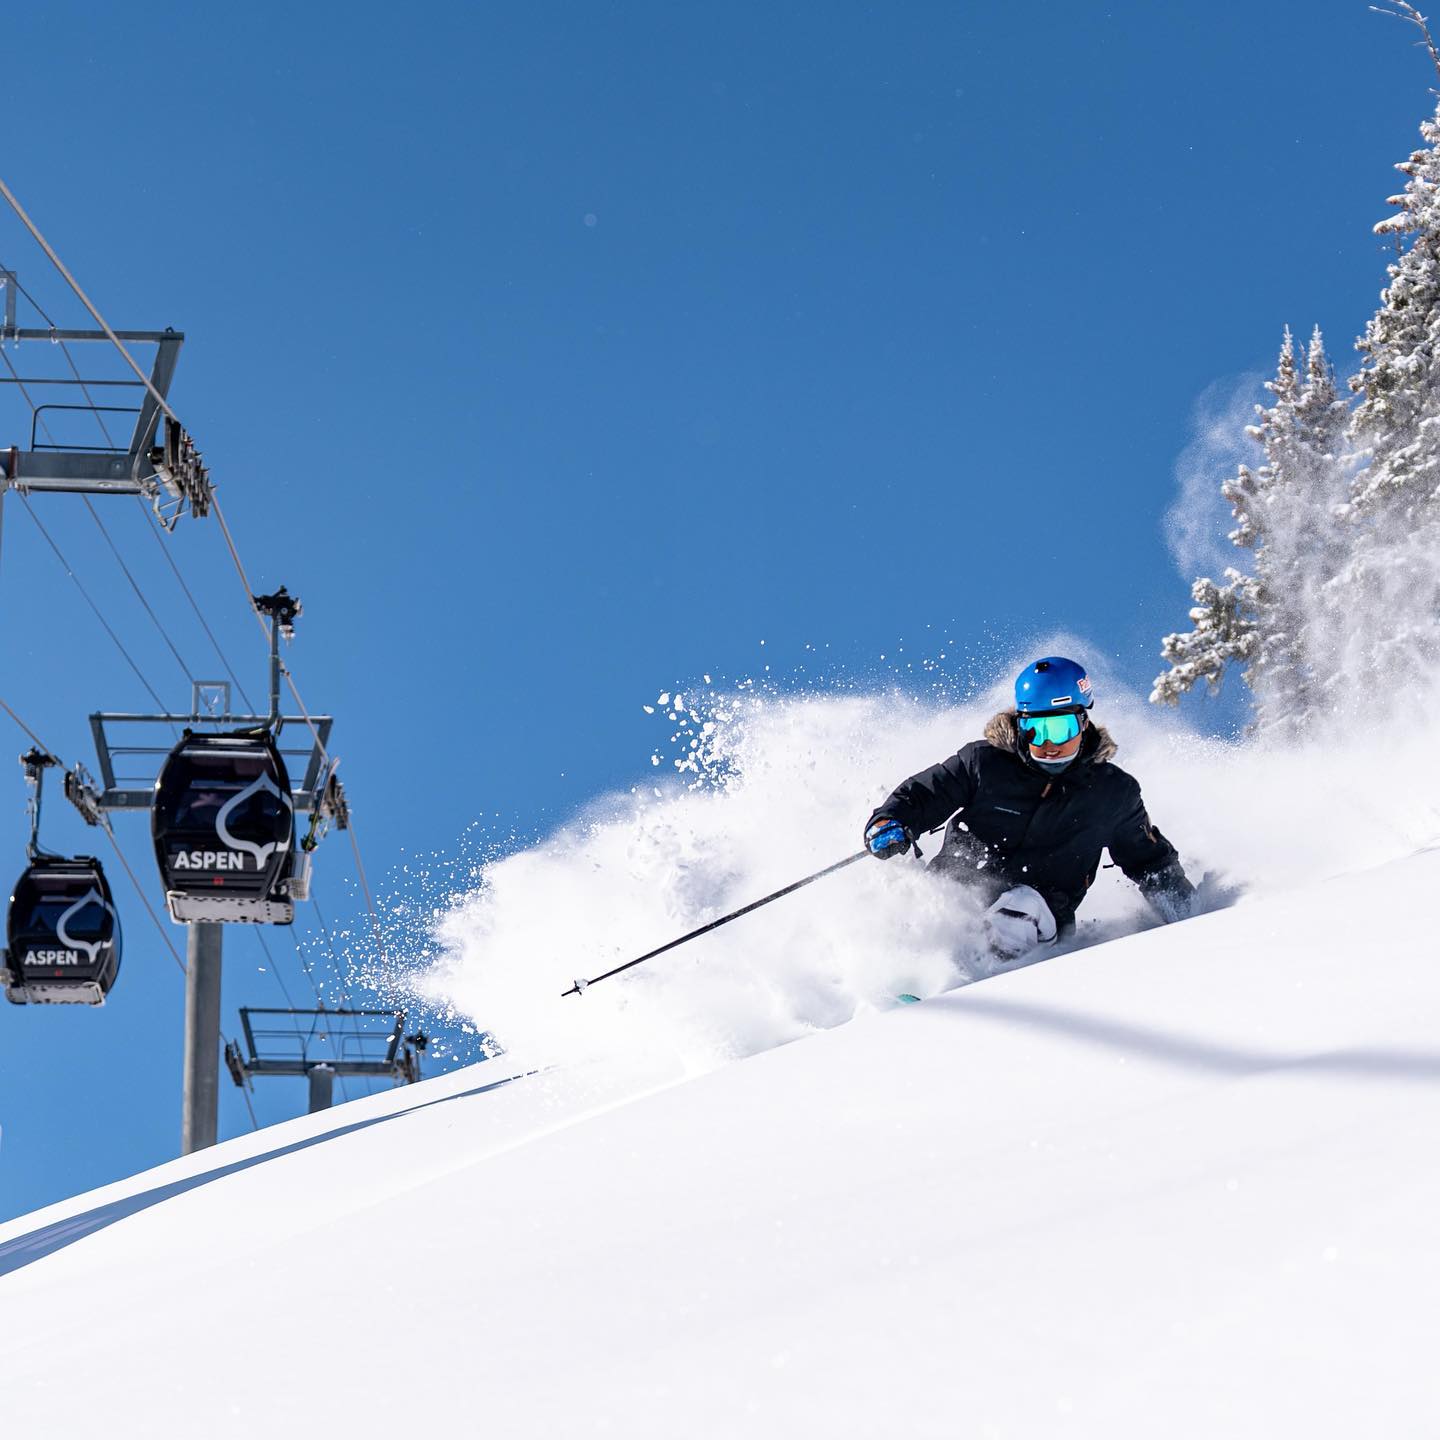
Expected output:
(144, 898)
(79, 585)
(151, 523)
(273, 968)
(285, 990)
(321, 1011)
(55, 339)
(165, 406)
(330, 953)
(105, 824)
(314, 731)
(310, 974)
(307, 970)
(149, 516)
(109, 540)
(34, 411)
(33, 736)
(70, 280)
(194, 605)
(139, 593)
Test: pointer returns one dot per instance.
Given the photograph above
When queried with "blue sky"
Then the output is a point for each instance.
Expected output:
(556, 355)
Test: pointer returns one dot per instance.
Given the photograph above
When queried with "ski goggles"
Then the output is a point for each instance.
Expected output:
(1050, 729)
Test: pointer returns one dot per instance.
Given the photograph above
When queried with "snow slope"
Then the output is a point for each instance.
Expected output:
(1181, 1184)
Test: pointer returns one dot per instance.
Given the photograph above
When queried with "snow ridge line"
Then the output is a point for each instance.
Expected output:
(26, 1249)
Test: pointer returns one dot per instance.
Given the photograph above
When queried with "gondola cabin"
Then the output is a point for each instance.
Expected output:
(223, 823)
(63, 935)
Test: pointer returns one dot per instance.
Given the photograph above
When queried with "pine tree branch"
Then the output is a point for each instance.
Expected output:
(1411, 16)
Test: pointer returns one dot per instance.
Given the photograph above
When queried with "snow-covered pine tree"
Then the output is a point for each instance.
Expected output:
(1345, 584)
(1390, 583)
(1223, 631)
(1269, 620)
(1313, 539)
(1262, 506)
(1304, 544)
(1397, 423)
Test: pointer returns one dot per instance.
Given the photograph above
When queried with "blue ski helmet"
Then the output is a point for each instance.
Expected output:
(1052, 684)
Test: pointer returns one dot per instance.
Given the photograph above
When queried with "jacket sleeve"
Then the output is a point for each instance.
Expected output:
(1150, 860)
(927, 800)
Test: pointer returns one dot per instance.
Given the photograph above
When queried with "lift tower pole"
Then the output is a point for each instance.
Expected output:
(200, 1118)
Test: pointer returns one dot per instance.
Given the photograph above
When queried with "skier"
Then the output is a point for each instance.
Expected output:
(1030, 808)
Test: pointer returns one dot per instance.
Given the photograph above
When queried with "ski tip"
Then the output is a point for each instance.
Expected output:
(908, 999)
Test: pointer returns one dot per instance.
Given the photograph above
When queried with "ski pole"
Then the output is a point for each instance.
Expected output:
(581, 985)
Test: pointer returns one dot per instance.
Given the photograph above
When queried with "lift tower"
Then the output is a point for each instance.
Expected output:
(223, 811)
(158, 462)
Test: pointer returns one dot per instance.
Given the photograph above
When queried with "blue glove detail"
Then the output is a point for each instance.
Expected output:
(886, 838)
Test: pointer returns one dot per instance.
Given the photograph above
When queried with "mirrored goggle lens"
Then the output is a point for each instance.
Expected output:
(1050, 729)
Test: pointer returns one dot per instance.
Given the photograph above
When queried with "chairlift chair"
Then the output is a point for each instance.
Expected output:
(223, 823)
(63, 934)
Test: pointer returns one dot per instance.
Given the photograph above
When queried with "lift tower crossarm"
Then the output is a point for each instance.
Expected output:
(116, 794)
(144, 467)
(289, 1049)
(140, 337)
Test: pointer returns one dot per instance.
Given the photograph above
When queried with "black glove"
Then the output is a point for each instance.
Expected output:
(885, 837)
(1169, 892)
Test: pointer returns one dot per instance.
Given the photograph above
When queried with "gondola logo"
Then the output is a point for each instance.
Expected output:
(52, 957)
(262, 853)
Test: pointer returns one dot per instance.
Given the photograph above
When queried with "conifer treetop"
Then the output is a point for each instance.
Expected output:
(1403, 10)
(1399, 377)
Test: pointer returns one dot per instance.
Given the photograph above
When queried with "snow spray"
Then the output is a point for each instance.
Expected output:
(768, 786)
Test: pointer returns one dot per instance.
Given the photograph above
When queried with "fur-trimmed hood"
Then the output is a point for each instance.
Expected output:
(1096, 748)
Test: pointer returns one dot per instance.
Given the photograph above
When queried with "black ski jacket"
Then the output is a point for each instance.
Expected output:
(1012, 823)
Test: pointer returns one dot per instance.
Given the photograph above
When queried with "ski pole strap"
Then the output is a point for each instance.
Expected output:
(581, 985)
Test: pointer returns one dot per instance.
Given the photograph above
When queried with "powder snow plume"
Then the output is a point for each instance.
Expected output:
(769, 788)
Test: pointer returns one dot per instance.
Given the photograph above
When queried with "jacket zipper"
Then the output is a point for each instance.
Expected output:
(1031, 821)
